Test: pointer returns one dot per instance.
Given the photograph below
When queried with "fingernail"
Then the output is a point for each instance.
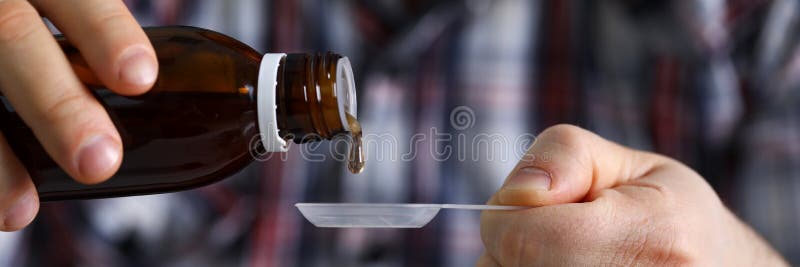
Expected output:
(21, 212)
(529, 178)
(138, 69)
(97, 156)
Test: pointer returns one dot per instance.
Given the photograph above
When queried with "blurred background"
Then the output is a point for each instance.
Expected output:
(712, 83)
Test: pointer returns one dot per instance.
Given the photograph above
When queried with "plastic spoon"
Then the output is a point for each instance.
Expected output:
(365, 215)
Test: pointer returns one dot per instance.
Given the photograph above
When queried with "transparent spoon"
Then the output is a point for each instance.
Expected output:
(368, 215)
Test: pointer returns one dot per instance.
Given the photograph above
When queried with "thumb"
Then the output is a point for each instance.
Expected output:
(569, 164)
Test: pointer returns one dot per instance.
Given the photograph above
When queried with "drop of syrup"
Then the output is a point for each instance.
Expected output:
(356, 158)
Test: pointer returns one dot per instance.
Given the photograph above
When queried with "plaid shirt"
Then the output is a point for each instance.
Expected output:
(711, 83)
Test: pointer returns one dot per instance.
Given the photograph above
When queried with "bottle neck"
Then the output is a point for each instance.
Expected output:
(304, 98)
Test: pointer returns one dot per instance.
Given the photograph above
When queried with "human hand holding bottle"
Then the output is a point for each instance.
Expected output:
(599, 203)
(39, 83)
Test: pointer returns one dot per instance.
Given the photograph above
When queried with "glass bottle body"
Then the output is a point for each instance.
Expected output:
(194, 127)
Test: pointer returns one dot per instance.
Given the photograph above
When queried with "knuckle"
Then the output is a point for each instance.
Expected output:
(17, 21)
(64, 107)
(566, 138)
(511, 241)
(109, 20)
(659, 196)
(665, 249)
(515, 249)
(110, 15)
(653, 248)
(565, 133)
(653, 237)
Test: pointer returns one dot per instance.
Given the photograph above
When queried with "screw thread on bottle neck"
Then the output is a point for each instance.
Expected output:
(308, 104)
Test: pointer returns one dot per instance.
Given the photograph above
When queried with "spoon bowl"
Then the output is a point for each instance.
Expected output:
(366, 215)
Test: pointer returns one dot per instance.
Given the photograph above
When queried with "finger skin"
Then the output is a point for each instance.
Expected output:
(578, 162)
(109, 38)
(38, 81)
(18, 200)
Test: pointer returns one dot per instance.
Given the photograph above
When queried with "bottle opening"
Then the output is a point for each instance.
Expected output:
(348, 113)
(346, 92)
(314, 99)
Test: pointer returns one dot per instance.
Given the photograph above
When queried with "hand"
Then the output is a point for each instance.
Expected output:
(38, 81)
(599, 203)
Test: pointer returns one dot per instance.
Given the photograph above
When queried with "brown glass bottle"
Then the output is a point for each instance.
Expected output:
(198, 123)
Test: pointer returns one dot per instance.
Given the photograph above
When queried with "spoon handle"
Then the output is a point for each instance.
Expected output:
(481, 207)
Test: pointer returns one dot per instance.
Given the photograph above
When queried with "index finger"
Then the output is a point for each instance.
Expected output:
(109, 39)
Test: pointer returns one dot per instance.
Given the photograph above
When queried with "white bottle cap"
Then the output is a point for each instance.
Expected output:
(266, 104)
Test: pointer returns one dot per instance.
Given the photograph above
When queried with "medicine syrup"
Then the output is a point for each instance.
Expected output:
(215, 103)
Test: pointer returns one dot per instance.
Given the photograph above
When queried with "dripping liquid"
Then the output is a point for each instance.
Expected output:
(356, 157)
